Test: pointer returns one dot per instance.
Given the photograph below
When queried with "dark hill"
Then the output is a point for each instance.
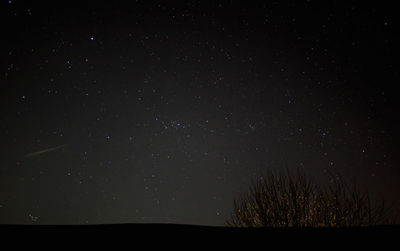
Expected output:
(189, 228)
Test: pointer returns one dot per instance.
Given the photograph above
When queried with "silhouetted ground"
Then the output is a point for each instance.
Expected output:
(192, 228)
(192, 237)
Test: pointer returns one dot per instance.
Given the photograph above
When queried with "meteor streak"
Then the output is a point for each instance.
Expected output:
(29, 155)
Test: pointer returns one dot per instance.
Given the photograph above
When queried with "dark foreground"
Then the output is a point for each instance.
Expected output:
(189, 228)
(195, 236)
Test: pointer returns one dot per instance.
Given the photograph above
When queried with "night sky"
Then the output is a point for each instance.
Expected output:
(163, 112)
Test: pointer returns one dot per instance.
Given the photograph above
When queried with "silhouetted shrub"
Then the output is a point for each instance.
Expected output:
(288, 200)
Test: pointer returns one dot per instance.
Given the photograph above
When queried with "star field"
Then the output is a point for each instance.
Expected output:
(164, 112)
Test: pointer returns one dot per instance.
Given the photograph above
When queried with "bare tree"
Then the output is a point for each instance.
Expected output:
(288, 200)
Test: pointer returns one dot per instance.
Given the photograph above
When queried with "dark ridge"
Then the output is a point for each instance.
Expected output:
(195, 236)
(194, 228)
